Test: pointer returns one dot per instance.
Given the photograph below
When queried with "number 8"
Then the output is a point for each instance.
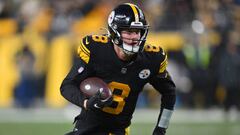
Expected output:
(120, 99)
(150, 48)
(100, 38)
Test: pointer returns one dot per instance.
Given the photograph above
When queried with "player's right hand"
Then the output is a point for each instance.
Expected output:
(95, 102)
(159, 131)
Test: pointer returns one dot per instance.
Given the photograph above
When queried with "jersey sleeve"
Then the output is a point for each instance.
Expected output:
(157, 55)
(164, 62)
(84, 48)
(162, 81)
(80, 70)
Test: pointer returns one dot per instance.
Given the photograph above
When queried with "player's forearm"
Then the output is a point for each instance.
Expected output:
(163, 121)
(168, 99)
(72, 93)
(167, 106)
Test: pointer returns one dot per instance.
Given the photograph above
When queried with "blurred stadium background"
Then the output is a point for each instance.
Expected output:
(38, 41)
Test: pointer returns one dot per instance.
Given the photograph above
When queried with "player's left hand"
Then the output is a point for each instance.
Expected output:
(95, 102)
(159, 131)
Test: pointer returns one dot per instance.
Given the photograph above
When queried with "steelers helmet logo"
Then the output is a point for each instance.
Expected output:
(145, 73)
(110, 18)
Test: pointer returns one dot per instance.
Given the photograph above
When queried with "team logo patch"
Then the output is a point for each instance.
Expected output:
(110, 18)
(145, 73)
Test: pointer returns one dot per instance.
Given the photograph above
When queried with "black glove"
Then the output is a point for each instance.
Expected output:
(159, 131)
(95, 102)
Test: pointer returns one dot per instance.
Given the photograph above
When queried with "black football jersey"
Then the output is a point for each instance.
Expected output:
(126, 79)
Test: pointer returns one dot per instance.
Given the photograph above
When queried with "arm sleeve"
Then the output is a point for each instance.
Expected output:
(79, 71)
(164, 84)
(70, 85)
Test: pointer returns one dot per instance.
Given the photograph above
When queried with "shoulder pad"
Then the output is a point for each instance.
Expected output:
(159, 54)
(95, 40)
(83, 49)
(90, 43)
(154, 49)
(151, 48)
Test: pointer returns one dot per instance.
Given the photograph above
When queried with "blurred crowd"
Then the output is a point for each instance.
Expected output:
(38, 40)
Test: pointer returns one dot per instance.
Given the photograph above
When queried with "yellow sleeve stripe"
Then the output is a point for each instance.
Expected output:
(84, 47)
(163, 65)
(127, 131)
(83, 53)
(134, 11)
(83, 50)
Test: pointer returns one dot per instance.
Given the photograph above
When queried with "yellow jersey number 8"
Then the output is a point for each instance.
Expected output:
(118, 98)
(151, 48)
(100, 38)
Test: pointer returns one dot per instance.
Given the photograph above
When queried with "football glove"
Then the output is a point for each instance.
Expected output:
(159, 131)
(95, 102)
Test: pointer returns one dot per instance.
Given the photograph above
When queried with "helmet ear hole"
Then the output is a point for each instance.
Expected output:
(127, 16)
(115, 26)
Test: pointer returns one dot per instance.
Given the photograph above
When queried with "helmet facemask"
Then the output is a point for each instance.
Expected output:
(122, 18)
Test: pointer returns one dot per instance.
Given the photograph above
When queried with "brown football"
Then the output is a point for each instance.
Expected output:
(92, 85)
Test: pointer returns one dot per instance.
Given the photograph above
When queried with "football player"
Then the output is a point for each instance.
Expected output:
(126, 63)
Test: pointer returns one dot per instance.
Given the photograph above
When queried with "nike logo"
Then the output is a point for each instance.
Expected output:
(87, 42)
(96, 106)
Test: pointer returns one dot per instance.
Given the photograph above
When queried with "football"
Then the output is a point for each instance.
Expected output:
(92, 85)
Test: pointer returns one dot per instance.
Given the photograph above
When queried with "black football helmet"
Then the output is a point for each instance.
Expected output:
(127, 16)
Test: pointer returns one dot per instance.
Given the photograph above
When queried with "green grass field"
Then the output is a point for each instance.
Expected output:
(136, 129)
(45, 121)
